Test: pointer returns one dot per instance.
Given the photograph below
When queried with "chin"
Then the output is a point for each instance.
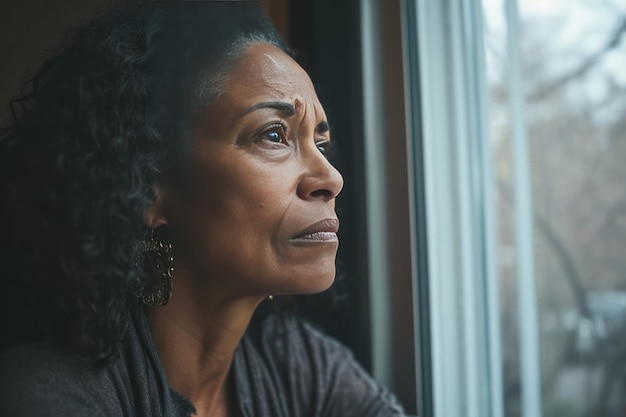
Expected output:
(322, 284)
(312, 281)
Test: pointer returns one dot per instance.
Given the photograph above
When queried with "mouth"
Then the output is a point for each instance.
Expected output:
(318, 232)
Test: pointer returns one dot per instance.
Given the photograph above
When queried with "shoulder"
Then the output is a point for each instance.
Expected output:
(38, 379)
(326, 368)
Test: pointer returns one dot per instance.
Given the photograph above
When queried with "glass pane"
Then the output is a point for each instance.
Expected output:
(573, 58)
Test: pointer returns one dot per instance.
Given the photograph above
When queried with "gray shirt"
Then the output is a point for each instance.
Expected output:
(283, 367)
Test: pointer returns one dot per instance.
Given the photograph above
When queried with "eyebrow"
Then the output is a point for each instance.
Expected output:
(283, 107)
(286, 108)
(323, 127)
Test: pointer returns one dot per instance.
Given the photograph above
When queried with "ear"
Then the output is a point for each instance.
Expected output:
(154, 215)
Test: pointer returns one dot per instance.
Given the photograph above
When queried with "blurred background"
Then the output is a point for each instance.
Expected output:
(573, 62)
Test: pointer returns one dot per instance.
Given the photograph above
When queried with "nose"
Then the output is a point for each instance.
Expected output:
(321, 180)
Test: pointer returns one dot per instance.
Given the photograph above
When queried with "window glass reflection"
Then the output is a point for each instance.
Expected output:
(573, 58)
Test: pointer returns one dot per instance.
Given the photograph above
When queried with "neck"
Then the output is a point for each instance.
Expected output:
(196, 338)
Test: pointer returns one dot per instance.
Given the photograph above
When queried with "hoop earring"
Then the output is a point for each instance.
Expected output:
(160, 262)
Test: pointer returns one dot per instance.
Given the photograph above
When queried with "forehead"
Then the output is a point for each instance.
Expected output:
(264, 72)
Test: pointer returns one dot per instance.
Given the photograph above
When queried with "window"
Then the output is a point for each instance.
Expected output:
(570, 85)
(517, 115)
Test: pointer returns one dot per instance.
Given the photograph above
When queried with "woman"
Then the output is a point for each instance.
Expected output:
(164, 175)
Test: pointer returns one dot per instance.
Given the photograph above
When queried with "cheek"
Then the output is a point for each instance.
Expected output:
(230, 219)
(251, 191)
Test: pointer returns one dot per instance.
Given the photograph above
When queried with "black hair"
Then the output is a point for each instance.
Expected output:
(100, 123)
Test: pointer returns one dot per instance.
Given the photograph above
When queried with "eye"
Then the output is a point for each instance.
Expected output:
(273, 136)
(323, 147)
(275, 133)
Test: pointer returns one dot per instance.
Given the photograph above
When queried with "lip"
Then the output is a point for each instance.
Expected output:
(321, 231)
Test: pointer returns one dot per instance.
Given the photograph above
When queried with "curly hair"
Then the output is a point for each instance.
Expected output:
(99, 125)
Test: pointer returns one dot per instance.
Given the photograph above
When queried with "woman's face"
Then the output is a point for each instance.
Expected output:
(255, 213)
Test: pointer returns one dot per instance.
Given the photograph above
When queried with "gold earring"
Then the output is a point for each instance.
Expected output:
(160, 262)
